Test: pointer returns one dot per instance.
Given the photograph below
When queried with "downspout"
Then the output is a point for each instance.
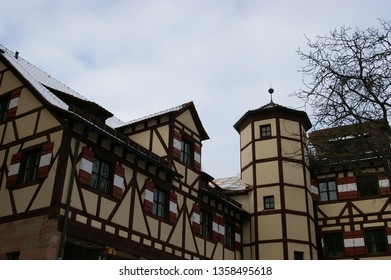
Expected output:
(69, 195)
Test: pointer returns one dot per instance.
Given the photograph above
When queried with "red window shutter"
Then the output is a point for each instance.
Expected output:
(347, 188)
(12, 177)
(13, 104)
(173, 211)
(354, 242)
(177, 145)
(45, 160)
(196, 219)
(86, 163)
(148, 195)
(197, 157)
(119, 182)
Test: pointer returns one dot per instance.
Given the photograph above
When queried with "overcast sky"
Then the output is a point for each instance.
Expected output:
(140, 57)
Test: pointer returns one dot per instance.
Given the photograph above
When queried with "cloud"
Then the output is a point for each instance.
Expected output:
(140, 57)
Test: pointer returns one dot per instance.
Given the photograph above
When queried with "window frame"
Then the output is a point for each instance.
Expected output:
(368, 190)
(328, 191)
(13, 255)
(160, 204)
(107, 177)
(265, 131)
(4, 104)
(333, 241)
(298, 255)
(29, 170)
(269, 202)
(380, 241)
(229, 235)
(187, 152)
(205, 224)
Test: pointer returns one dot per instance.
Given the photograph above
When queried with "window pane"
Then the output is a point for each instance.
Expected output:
(332, 185)
(333, 244)
(100, 177)
(265, 130)
(3, 108)
(333, 195)
(322, 187)
(30, 166)
(323, 197)
(368, 185)
(228, 237)
(375, 241)
(204, 224)
(159, 203)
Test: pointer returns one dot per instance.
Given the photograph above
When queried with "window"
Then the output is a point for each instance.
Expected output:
(205, 223)
(4, 101)
(367, 185)
(333, 244)
(29, 166)
(375, 241)
(327, 191)
(100, 177)
(229, 235)
(266, 130)
(186, 152)
(298, 255)
(13, 255)
(268, 202)
(160, 203)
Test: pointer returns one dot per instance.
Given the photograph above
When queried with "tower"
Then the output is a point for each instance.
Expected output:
(273, 161)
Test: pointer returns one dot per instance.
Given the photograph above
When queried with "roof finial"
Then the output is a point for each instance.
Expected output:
(271, 91)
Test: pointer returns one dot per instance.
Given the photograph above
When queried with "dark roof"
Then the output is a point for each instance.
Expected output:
(271, 110)
(173, 112)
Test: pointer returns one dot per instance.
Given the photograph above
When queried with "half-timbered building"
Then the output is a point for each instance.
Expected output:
(78, 183)
(350, 183)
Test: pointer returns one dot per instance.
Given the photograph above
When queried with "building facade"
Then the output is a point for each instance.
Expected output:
(77, 183)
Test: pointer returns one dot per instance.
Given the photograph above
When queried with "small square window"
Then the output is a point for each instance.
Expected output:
(13, 255)
(298, 255)
(266, 131)
(328, 191)
(268, 202)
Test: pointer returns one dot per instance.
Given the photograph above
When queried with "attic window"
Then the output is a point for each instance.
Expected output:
(186, 152)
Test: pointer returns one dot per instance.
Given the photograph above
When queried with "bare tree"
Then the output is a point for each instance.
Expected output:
(347, 79)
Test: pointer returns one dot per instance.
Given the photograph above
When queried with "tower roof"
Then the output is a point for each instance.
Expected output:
(273, 110)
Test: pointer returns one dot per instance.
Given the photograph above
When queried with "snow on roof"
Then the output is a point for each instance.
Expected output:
(173, 109)
(40, 80)
(231, 183)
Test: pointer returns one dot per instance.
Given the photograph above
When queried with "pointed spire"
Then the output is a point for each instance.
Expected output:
(271, 91)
